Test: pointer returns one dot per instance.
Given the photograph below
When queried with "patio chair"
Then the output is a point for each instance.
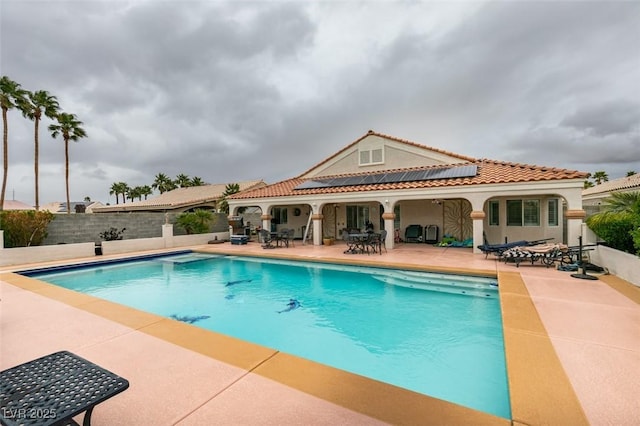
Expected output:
(413, 234)
(383, 239)
(290, 237)
(267, 241)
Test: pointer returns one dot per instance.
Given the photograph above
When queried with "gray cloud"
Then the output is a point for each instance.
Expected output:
(241, 90)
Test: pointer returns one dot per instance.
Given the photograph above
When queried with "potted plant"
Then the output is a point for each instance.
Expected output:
(327, 240)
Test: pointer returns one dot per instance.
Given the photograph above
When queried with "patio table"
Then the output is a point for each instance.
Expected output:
(357, 243)
(53, 389)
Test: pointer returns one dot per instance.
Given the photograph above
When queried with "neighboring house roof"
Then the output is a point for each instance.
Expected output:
(180, 198)
(625, 184)
(16, 205)
(61, 207)
(93, 205)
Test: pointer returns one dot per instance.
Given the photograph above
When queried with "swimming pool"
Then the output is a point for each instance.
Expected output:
(406, 328)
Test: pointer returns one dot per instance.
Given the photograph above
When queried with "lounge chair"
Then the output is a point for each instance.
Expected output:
(413, 234)
(547, 254)
(499, 249)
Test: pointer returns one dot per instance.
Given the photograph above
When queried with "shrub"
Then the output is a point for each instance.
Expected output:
(25, 228)
(197, 222)
(619, 223)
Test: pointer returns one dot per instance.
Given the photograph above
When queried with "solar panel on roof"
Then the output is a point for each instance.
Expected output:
(447, 172)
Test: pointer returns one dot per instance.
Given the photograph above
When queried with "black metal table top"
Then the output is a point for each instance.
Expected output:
(53, 389)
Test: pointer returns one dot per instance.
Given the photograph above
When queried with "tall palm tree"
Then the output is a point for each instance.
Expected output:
(11, 95)
(115, 190)
(133, 193)
(68, 127)
(36, 104)
(145, 190)
(183, 180)
(197, 181)
(600, 176)
(163, 183)
(123, 188)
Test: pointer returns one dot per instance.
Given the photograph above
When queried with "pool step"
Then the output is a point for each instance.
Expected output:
(187, 258)
(444, 286)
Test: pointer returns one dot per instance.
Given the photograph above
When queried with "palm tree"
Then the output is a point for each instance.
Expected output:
(163, 183)
(623, 203)
(145, 190)
(11, 95)
(133, 193)
(197, 181)
(69, 128)
(32, 108)
(123, 189)
(600, 176)
(115, 190)
(183, 180)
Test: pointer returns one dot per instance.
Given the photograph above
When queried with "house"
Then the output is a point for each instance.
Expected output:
(394, 183)
(592, 198)
(181, 199)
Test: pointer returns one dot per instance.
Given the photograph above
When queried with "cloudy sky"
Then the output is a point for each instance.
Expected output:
(239, 90)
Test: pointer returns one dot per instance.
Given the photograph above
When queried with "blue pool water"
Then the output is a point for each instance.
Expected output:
(440, 336)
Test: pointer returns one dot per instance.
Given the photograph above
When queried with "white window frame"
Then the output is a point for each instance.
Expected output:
(366, 156)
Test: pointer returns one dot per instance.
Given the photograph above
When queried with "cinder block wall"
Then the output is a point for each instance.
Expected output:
(82, 228)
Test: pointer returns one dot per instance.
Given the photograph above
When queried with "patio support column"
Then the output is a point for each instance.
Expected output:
(266, 221)
(317, 229)
(1, 239)
(478, 228)
(574, 225)
(388, 225)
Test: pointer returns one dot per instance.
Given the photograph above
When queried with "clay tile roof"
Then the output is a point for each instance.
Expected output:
(392, 138)
(489, 172)
(626, 183)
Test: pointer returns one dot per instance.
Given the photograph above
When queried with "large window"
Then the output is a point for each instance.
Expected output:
(357, 216)
(494, 213)
(552, 211)
(514, 212)
(531, 212)
(523, 212)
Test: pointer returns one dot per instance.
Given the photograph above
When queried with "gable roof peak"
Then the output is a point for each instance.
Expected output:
(390, 138)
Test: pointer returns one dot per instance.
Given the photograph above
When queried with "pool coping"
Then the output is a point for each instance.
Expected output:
(539, 388)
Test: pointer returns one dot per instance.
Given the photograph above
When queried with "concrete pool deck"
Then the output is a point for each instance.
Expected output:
(572, 348)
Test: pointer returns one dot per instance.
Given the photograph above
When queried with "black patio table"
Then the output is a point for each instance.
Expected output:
(53, 389)
(357, 243)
